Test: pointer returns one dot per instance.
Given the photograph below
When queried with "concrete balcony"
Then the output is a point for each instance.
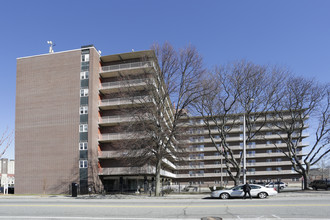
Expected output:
(248, 174)
(111, 154)
(119, 154)
(269, 164)
(112, 87)
(134, 68)
(248, 156)
(218, 166)
(124, 102)
(119, 171)
(248, 147)
(114, 120)
(120, 136)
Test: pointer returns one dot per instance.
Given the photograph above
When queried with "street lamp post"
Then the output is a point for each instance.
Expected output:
(244, 144)
(244, 150)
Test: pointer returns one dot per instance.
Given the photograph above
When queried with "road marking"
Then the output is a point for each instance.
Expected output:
(165, 206)
(92, 218)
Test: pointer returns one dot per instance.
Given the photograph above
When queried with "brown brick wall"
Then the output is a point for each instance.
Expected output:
(47, 122)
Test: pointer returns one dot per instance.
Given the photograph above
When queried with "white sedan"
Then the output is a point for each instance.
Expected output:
(237, 191)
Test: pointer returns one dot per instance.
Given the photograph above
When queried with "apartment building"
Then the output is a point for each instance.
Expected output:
(70, 106)
(264, 162)
(73, 113)
(7, 172)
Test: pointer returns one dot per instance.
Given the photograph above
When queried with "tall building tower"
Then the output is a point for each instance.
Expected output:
(56, 105)
(71, 108)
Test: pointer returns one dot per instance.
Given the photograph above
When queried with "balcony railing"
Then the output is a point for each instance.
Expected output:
(120, 136)
(127, 66)
(115, 119)
(122, 101)
(251, 173)
(117, 84)
(133, 171)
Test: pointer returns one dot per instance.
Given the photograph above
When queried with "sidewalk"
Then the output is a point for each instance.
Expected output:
(284, 193)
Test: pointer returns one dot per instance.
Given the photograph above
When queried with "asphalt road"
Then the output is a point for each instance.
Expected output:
(291, 205)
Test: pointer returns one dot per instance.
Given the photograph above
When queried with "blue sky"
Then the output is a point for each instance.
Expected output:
(290, 33)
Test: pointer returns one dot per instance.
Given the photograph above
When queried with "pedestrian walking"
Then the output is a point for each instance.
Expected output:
(247, 189)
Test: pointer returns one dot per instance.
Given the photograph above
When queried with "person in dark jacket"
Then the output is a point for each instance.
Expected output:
(247, 189)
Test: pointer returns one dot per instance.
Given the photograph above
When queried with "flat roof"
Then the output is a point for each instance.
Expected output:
(65, 51)
(130, 55)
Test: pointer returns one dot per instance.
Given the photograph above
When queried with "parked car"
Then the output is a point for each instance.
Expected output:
(275, 185)
(320, 184)
(237, 191)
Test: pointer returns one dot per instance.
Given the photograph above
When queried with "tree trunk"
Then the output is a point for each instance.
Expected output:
(157, 179)
(305, 180)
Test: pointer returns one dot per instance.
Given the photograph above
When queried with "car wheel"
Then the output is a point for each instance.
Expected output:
(224, 196)
(282, 187)
(262, 195)
(314, 188)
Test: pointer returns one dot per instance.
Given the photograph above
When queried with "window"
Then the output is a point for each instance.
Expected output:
(252, 145)
(269, 133)
(84, 75)
(83, 92)
(83, 128)
(251, 153)
(216, 154)
(268, 142)
(216, 162)
(268, 160)
(216, 171)
(279, 142)
(201, 164)
(254, 186)
(192, 173)
(252, 162)
(82, 163)
(251, 170)
(268, 169)
(84, 57)
(279, 168)
(83, 110)
(83, 146)
(278, 159)
(241, 145)
(269, 151)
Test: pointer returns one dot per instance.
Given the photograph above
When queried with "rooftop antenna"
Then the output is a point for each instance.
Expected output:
(51, 46)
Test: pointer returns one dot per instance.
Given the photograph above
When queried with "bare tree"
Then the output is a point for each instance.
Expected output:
(5, 141)
(237, 89)
(165, 98)
(303, 100)
(324, 167)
